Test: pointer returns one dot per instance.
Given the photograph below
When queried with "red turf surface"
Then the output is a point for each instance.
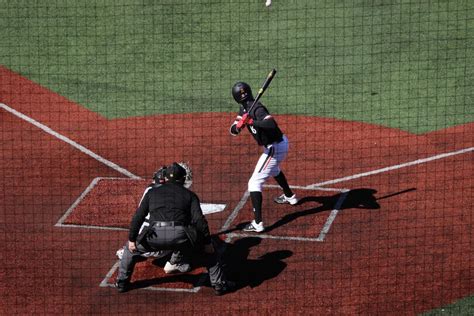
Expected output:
(408, 251)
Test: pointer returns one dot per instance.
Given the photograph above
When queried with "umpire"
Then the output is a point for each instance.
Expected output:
(176, 223)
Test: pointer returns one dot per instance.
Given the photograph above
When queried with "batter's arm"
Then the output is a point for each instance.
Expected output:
(263, 119)
(234, 131)
(267, 122)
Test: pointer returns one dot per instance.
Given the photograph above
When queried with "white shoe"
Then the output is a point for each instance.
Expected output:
(254, 227)
(178, 267)
(268, 3)
(282, 199)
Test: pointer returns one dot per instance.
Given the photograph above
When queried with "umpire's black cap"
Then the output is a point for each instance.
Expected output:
(175, 173)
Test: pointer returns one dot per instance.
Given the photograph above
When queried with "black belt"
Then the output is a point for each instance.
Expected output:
(167, 224)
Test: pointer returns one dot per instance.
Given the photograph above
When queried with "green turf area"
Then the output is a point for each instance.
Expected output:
(404, 64)
(463, 307)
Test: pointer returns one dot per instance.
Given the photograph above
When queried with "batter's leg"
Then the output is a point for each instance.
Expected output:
(256, 198)
(283, 183)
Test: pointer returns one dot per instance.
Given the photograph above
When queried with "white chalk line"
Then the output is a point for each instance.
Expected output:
(105, 283)
(236, 211)
(207, 208)
(332, 216)
(77, 201)
(326, 227)
(69, 141)
(322, 234)
(306, 187)
(403, 165)
(268, 236)
(233, 215)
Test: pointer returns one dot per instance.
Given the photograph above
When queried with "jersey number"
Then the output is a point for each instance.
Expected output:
(253, 130)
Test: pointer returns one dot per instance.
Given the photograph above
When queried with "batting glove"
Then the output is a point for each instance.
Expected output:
(246, 119)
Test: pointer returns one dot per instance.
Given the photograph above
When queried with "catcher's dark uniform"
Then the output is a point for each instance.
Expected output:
(176, 223)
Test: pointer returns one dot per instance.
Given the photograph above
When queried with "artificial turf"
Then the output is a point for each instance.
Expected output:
(403, 64)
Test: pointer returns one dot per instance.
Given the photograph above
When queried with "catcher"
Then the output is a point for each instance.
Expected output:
(159, 179)
(176, 223)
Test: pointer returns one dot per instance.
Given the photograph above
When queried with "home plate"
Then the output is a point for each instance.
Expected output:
(209, 208)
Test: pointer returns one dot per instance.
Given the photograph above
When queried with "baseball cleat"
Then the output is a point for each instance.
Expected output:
(177, 267)
(254, 227)
(282, 199)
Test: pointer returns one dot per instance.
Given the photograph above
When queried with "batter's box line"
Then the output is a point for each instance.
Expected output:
(208, 208)
(81, 197)
(106, 283)
(322, 234)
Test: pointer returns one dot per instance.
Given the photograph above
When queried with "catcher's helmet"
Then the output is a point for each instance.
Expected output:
(241, 92)
(160, 175)
(175, 173)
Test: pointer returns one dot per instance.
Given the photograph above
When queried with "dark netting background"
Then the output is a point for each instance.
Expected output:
(375, 98)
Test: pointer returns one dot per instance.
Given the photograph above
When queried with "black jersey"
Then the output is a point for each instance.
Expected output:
(264, 129)
(170, 202)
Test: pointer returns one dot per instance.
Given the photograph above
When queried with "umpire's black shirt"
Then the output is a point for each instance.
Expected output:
(170, 202)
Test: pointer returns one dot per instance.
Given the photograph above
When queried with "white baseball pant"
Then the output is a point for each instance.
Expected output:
(268, 164)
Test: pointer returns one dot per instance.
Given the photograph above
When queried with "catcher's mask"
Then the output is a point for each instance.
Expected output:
(241, 92)
(159, 176)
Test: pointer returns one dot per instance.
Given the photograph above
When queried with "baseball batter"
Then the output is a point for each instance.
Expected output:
(264, 129)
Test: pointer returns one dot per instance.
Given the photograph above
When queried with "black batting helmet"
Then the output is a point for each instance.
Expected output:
(241, 92)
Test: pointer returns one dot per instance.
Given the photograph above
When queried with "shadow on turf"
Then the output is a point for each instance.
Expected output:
(252, 272)
(362, 198)
(238, 267)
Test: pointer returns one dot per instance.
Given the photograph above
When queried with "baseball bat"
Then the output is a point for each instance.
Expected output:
(263, 88)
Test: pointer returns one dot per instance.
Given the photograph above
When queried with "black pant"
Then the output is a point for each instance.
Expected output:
(166, 238)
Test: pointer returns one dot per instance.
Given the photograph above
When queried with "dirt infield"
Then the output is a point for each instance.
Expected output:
(400, 239)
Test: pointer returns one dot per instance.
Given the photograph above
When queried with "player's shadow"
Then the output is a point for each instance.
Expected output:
(252, 272)
(362, 198)
(188, 278)
(193, 279)
(238, 267)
